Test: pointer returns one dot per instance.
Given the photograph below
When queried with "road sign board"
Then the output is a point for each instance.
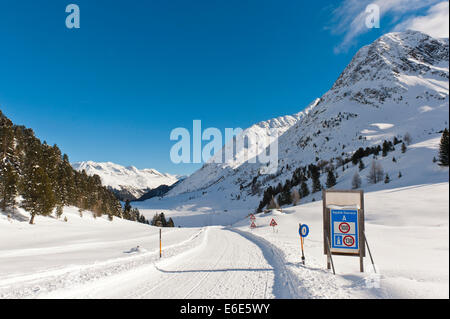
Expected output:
(253, 225)
(273, 223)
(252, 217)
(344, 230)
(304, 230)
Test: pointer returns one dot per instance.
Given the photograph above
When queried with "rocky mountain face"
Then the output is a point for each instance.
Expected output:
(378, 71)
(126, 182)
(394, 87)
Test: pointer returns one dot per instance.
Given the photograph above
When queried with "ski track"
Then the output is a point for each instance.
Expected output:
(286, 283)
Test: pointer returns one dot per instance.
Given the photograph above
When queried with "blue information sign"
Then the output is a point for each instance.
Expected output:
(344, 230)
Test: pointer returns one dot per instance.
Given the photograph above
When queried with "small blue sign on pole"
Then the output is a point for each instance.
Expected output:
(344, 230)
(304, 231)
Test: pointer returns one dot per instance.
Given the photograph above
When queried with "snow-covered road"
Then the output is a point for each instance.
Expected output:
(226, 264)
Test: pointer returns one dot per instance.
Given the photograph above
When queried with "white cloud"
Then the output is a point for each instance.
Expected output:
(349, 19)
(434, 23)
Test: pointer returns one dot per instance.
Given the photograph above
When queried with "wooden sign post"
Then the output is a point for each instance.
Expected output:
(343, 225)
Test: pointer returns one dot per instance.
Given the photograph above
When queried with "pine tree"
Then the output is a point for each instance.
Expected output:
(331, 179)
(155, 220)
(285, 197)
(8, 187)
(39, 199)
(315, 176)
(385, 149)
(404, 147)
(387, 179)
(396, 140)
(304, 189)
(163, 220)
(444, 149)
(127, 210)
(361, 165)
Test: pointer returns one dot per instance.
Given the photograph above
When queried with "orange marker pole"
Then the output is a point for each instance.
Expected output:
(160, 244)
(301, 240)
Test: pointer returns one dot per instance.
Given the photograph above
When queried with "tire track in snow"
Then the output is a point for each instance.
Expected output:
(225, 265)
(286, 284)
(218, 260)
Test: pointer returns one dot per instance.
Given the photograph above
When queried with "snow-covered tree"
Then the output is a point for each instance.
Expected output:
(376, 173)
(407, 138)
(295, 197)
(356, 181)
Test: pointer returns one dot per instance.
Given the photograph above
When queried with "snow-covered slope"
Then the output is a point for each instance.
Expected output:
(396, 85)
(96, 258)
(128, 182)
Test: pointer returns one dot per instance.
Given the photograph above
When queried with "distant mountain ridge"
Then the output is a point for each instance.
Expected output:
(212, 172)
(126, 182)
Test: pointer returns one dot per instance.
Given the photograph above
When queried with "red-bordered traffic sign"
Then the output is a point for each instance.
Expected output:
(253, 225)
(344, 228)
(349, 241)
(252, 217)
(273, 223)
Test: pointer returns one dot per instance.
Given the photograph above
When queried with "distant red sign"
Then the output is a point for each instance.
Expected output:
(252, 217)
(273, 223)
(253, 225)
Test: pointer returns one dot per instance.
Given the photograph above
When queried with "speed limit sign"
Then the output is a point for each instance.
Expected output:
(344, 228)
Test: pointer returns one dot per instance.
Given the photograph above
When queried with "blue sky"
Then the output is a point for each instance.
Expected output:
(115, 88)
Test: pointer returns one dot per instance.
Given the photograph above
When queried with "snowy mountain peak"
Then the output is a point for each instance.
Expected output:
(378, 71)
(128, 182)
(215, 170)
